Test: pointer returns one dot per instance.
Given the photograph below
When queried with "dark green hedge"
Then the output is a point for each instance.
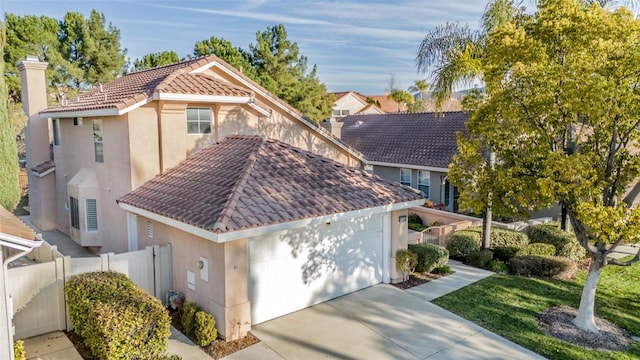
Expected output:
(542, 266)
(116, 319)
(430, 256)
(566, 243)
(463, 243)
(503, 237)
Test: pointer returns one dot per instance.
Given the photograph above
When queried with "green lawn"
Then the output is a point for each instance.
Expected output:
(507, 305)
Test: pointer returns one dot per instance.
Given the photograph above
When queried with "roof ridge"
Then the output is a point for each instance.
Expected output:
(229, 207)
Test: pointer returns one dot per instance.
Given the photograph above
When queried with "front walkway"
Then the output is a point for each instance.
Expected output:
(383, 322)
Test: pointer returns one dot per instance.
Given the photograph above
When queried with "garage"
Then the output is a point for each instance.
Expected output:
(294, 269)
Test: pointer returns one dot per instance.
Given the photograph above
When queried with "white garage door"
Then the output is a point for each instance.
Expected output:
(292, 270)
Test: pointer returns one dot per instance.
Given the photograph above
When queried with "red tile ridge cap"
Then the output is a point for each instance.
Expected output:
(228, 209)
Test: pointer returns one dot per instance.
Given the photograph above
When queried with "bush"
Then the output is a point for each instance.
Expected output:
(444, 270)
(480, 259)
(116, 319)
(464, 242)
(188, 319)
(18, 350)
(415, 218)
(565, 243)
(505, 253)
(416, 226)
(540, 249)
(205, 331)
(167, 357)
(503, 237)
(429, 256)
(498, 267)
(542, 266)
(406, 263)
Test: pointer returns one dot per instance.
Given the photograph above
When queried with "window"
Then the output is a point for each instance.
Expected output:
(447, 192)
(424, 182)
(91, 210)
(74, 212)
(149, 229)
(405, 177)
(77, 121)
(198, 121)
(55, 125)
(337, 112)
(98, 149)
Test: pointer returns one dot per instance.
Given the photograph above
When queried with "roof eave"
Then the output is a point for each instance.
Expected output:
(266, 229)
(203, 98)
(407, 166)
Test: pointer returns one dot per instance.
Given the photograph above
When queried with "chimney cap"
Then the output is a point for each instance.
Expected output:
(32, 58)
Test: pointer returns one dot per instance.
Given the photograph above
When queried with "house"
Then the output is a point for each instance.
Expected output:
(16, 240)
(414, 149)
(84, 153)
(352, 103)
(259, 228)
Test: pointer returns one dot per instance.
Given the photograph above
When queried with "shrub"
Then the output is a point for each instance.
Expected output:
(18, 350)
(542, 266)
(444, 270)
(416, 226)
(505, 253)
(188, 319)
(116, 319)
(415, 218)
(167, 357)
(406, 262)
(565, 242)
(540, 249)
(503, 237)
(205, 330)
(462, 243)
(430, 256)
(480, 259)
(498, 267)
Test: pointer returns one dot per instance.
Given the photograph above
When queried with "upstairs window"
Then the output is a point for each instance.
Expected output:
(424, 182)
(98, 150)
(340, 113)
(405, 177)
(198, 121)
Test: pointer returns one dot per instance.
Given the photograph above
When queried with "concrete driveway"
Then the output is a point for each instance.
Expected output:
(380, 322)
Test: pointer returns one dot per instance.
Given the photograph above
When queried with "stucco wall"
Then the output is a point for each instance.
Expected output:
(220, 288)
(436, 185)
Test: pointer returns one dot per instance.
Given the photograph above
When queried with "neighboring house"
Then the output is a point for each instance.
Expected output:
(16, 240)
(259, 228)
(111, 139)
(387, 104)
(414, 149)
(352, 103)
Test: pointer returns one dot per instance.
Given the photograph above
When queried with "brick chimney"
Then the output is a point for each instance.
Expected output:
(42, 187)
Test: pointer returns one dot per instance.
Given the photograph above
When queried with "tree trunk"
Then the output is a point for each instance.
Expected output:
(585, 319)
(564, 218)
(486, 229)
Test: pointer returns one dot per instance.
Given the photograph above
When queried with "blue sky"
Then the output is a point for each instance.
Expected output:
(356, 44)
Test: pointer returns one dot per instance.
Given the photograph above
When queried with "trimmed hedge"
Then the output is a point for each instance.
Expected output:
(539, 249)
(430, 256)
(505, 253)
(542, 266)
(503, 237)
(188, 319)
(480, 259)
(464, 242)
(116, 319)
(566, 243)
(205, 331)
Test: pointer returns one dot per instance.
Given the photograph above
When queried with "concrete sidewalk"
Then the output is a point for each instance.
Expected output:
(383, 322)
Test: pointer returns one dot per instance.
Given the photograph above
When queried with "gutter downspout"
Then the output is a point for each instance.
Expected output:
(160, 154)
(5, 271)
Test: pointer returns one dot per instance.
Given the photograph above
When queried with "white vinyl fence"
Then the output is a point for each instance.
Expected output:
(37, 290)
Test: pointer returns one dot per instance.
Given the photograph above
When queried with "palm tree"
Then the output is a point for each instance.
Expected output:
(420, 87)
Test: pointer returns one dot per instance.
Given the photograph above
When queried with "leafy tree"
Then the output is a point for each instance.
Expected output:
(9, 181)
(91, 46)
(153, 60)
(223, 49)
(401, 97)
(561, 113)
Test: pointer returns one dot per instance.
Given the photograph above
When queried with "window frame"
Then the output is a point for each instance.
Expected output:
(199, 121)
(98, 141)
(74, 212)
(422, 184)
(89, 224)
(409, 183)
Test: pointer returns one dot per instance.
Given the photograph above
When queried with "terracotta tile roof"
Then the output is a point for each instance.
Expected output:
(44, 167)
(245, 182)
(133, 88)
(11, 225)
(420, 139)
(387, 105)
